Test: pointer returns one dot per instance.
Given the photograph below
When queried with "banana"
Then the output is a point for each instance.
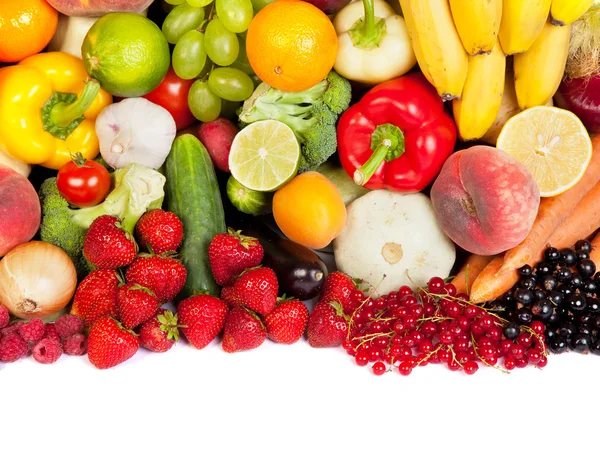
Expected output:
(437, 46)
(477, 22)
(476, 111)
(539, 71)
(522, 22)
(564, 12)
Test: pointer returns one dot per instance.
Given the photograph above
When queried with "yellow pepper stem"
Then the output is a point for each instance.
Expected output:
(63, 114)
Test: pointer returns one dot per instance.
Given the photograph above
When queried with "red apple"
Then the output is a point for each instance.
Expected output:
(485, 200)
(98, 7)
(329, 6)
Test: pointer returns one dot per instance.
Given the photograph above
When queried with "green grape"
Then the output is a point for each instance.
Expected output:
(231, 84)
(189, 56)
(199, 3)
(235, 14)
(180, 20)
(222, 46)
(260, 4)
(174, 2)
(204, 104)
(241, 61)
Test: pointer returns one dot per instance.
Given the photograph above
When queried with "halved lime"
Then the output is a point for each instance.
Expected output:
(264, 155)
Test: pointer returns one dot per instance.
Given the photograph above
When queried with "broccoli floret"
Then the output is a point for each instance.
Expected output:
(311, 114)
(57, 226)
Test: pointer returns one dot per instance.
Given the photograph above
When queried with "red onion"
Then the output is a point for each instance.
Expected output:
(582, 97)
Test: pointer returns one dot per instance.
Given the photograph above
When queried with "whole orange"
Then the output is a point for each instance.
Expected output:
(26, 27)
(310, 210)
(291, 45)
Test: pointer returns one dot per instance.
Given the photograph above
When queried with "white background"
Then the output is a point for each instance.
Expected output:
(294, 397)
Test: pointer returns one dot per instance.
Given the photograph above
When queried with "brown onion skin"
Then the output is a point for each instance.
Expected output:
(581, 97)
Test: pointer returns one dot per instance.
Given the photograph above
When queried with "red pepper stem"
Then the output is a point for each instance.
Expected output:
(364, 173)
(63, 114)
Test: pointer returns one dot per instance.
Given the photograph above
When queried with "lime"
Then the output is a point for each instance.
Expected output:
(248, 201)
(126, 53)
(264, 155)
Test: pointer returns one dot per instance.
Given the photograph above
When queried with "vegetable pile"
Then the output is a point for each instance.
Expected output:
(181, 170)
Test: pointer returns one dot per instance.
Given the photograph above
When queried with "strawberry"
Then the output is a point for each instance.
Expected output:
(107, 246)
(327, 325)
(243, 331)
(136, 304)
(96, 296)
(257, 289)
(338, 286)
(161, 332)
(202, 318)
(163, 275)
(110, 344)
(231, 253)
(159, 231)
(287, 322)
(228, 296)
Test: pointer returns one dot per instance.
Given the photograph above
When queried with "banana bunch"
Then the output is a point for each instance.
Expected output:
(461, 47)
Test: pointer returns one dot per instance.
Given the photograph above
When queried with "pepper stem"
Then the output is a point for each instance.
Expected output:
(387, 143)
(368, 31)
(369, 22)
(63, 114)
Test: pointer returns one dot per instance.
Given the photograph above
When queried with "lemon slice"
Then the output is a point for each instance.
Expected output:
(264, 155)
(552, 143)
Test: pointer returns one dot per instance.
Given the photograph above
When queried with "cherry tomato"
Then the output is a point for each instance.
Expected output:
(172, 94)
(83, 182)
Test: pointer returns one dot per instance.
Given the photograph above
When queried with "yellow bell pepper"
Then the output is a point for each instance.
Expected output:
(48, 110)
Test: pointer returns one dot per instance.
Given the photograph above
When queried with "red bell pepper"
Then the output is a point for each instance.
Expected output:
(397, 136)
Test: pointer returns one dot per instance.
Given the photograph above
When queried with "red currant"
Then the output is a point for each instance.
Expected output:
(462, 357)
(349, 347)
(534, 356)
(395, 351)
(510, 362)
(506, 346)
(426, 346)
(399, 326)
(423, 360)
(522, 363)
(416, 310)
(357, 296)
(381, 341)
(524, 340)
(471, 311)
(443, 355)
(406, 353)
(537, 327)
(409, 341)
(380, 304)
(375, 328)
(362, 358)
(491, 359)
(446, 337)
(392, 296)
(476, 329)
(486, 321)
(428, 328)
(494, 333)
(484, 341)
(453, 310)
(464, 298)
(397, 339)
(393, 305)
(436, 285)
(450, 289)
(410, 301)
(375, 354)
(404, 291)
(470, 367)
(387, 358)
(379, 368)
(542, 362)
(463, 322)
(453, 365)
(517, 351)
(410, 322)
(460, 344)
(405, 368)
(402, 312)
(428, 309)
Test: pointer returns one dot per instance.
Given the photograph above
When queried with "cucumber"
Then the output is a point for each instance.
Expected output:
(192, 193)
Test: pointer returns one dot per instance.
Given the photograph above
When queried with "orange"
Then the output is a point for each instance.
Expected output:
(26, 27)
(309, 210)
(291, 45)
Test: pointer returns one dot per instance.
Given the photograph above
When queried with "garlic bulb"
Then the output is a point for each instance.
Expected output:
(135, 130)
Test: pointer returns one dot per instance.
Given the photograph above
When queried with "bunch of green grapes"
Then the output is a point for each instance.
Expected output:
(210, 46)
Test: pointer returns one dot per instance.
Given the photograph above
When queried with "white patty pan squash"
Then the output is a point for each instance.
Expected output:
(391, 240)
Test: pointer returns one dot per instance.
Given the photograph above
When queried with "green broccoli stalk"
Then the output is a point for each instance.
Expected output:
(311, 114)
(57, 226)
(136, 190)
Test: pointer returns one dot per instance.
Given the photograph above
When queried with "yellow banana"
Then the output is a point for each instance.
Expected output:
(476, 111)
(522, 22)
(540, 69)
(477, 23)
(564, 12)
(440, 52)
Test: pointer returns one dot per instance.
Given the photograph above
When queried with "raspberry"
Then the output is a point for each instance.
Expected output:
(4, 316)
(68, 325)
(46, 351)
(75, 345)
(51, 333)
(12, 348)
(11, 329)
(32, 331)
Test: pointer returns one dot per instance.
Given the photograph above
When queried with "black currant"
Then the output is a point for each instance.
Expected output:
(551, 254)
(576, 281)
(564, 274)
(567, 330)
(542, 309)
(584, 245)
(586, 268)
(580, 343)
(548, 282)
(593, 305)
(543, 268)
(538, 294)
(597, 322)
(524, 296)
(558, 344)
(511, 331)
(566, 290)
(529, 282)
(582, 254)
(595, 347)
(555, 298)
(577, 303)
(554, 319)
(568, 257)
(585, 329)
(585, 319)
(525, 271)
(550, 333)
(524, 316)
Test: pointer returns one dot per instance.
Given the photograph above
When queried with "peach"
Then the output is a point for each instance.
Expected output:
(98, 7)
(485, 200)
(20, 211)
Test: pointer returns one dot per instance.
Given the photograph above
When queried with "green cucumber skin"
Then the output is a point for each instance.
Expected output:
(192, 193)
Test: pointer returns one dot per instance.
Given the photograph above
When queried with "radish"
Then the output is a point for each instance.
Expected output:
(217, 137)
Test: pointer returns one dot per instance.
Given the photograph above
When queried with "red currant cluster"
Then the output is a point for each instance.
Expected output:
(406, 329)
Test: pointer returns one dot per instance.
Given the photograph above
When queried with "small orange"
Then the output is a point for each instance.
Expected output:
(309, 210)
(291, 45)
(26, 27)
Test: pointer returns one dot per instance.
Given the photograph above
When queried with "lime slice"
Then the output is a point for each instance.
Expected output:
(264, 155)
(552, 143)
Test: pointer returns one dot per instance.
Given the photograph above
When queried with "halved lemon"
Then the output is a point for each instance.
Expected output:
(552, 143)
(264, 155)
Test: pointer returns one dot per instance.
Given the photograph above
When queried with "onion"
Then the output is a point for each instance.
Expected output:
(582, 97)
(135, 130)
(37, 279)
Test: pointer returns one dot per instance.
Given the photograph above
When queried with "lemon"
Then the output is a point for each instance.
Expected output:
(552, 143)
(127, 53)
(264, 156)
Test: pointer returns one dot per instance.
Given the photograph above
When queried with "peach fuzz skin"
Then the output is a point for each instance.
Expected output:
(485, 200)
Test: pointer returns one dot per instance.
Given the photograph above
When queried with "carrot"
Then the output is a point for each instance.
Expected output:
(552, 212)
(595, 253)
(469, 272)
(584, 220)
